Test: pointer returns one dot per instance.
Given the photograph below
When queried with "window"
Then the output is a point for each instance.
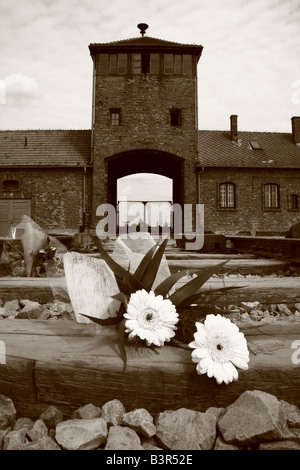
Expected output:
(175, 117)
(187, 64)
(145, 63)
(115, 116)
(227, 196)
(178, 64)
(122, 64)
(103, 62)
(113, 64)
(154, 64)
(254, 145)
(113, 60)
(168, 64)
(271, 196)
(293, 202)
(136, 63)
(9, 186)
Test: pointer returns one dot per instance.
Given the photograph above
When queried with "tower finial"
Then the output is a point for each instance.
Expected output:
(142, 27)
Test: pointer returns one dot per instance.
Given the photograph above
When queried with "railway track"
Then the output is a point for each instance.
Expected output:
(264, 271)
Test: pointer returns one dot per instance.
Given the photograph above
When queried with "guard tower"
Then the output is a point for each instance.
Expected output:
(144, 114)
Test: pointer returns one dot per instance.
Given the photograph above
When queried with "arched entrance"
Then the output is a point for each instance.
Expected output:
(145, 161)
(141, 162)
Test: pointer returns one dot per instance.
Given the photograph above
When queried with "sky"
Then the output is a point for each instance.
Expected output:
(250, 65)
(144, 187)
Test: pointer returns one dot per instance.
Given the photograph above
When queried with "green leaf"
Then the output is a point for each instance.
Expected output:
(190, 300)
(130, 284)
(120, 330)
(194, 285)
(164, 287)
(104, 322)
(145, 263)
(149, 276)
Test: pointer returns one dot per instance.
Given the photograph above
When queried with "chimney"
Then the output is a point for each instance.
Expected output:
(296, 129)
(233, 127)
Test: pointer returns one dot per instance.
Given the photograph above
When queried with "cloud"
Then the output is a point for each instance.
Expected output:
(249, 61)
(150, 186)
(124, 192)
(21, 89)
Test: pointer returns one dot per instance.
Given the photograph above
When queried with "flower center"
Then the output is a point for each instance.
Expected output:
(219, 348)
(150, 318)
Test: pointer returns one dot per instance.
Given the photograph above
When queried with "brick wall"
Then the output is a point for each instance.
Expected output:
(56, 195)
(249, 214)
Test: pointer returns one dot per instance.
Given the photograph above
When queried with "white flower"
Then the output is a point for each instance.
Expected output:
(219, 347)
(151, 318)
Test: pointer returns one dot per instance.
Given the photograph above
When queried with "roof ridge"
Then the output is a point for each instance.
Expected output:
(143, 39)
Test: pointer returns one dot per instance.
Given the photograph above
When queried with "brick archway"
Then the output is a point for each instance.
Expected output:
(145, 161)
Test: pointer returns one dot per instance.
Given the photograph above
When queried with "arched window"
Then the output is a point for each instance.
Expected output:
(227, 196)
(271, 196)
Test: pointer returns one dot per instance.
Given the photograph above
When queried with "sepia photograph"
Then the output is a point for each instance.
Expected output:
(150, 227)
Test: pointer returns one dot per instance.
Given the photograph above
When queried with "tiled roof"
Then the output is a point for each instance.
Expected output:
(72, 148)
(277, 150)
(56, 148)
(144, 41)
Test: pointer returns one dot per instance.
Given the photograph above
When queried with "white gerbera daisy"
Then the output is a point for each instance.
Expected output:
(151, 318)
(219, 346)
